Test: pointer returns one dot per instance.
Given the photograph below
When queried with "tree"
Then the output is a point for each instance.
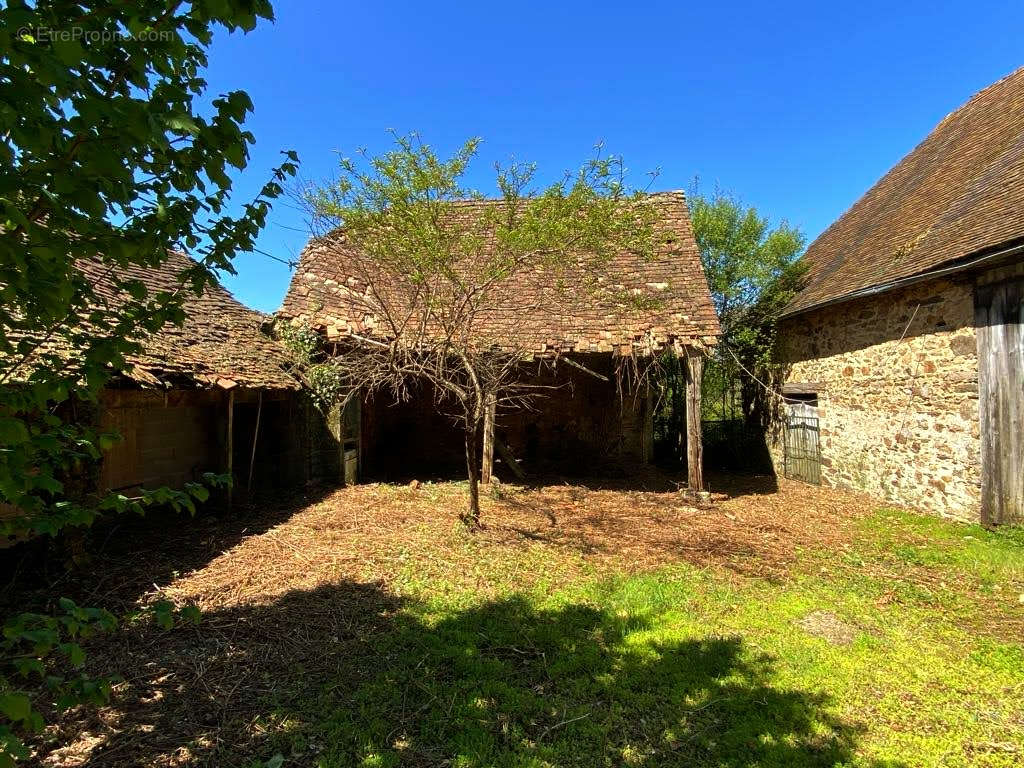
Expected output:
(753, 271)
(105, 158)
(436, 269)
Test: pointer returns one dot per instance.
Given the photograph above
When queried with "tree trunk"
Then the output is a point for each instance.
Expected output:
(490, 413)
(472, 516)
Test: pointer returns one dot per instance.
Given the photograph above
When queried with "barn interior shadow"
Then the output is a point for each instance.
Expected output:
(348, 674)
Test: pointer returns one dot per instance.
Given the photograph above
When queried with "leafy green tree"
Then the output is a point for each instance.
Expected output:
(441, 271)
(753, 271)
(105, 158)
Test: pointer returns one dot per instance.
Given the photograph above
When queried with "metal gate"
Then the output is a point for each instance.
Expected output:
(802, 452)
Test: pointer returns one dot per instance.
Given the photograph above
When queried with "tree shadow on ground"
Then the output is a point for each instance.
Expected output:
(347, 674)
(122, 557)
(733, 485)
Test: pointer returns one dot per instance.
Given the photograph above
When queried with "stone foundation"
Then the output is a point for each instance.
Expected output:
(897, 384)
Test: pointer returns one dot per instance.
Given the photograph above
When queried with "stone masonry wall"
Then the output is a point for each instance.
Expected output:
(898, 418)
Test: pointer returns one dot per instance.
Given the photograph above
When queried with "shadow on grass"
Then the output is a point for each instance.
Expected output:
(125, 555)
(349, 675)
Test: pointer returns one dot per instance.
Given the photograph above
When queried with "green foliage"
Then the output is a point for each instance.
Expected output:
(436, 265)
(107, 163)
(405, 211)
(43, 652)
(320, 373)
(753, 271)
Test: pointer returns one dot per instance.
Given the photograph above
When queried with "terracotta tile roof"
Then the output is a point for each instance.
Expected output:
(220, 343)
(958, 193)
(321, 293)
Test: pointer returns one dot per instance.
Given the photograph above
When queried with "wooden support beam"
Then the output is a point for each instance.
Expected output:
(580, 367)
(231, 443)
(694, 443)
(487, 465)
(255, 437)
(509, 459)
(647, 432)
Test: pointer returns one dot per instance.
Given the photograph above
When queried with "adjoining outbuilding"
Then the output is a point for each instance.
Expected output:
(212, 395)
(589, 418)
(905, 350)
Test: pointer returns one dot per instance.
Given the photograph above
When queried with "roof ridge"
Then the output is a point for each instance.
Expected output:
(979, 94)
(929, 205)
(479, 200)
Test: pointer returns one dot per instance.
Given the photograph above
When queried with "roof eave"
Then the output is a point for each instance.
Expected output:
(960, 265)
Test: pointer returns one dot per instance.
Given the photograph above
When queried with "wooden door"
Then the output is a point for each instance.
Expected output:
(802, 450)
(999, 318)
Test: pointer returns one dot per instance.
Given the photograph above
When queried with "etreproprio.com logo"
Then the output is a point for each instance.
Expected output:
(83, 35)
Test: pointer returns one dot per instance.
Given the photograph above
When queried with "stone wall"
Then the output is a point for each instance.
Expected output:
(897, 395)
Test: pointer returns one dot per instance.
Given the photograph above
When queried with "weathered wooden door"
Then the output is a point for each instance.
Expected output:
(802, 451)
(999, 318)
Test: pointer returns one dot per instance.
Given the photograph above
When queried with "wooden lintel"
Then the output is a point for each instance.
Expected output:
(802, 388)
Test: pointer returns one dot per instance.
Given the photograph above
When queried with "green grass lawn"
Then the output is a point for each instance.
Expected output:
(900, 643)
(688, 666)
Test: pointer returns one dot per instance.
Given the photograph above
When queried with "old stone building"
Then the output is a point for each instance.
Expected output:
(905, 349)
(583, 423)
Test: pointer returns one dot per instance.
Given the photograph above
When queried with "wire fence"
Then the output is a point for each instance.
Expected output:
(736, 446)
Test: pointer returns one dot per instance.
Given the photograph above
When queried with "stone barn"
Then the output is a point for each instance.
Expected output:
(905, 349)
(584, 424)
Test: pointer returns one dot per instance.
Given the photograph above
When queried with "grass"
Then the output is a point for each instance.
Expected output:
(683, 666)
(901, 643)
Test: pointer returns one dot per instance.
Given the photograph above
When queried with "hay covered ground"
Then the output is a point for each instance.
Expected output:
(587, 624)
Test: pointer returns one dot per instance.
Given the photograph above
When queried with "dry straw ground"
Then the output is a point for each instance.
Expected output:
(299, 595)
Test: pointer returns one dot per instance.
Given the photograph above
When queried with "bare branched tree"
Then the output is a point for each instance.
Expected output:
(457, 291)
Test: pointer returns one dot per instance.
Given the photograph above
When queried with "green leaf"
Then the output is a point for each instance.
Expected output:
(74, 653)
(183, 124)
(12, 431)
(15, 706)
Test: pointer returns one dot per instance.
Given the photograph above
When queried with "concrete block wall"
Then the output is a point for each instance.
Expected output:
(165, 440)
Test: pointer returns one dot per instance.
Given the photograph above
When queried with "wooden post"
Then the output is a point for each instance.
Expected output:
(490, 413)
(647, 431)
(255, 436)
(231, 442)
(694, 443)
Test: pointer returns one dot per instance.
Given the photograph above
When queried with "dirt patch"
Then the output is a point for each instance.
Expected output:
(369, 533)
(297, 593)
(828, 626)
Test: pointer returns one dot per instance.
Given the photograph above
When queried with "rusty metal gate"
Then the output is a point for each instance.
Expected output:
(802, 450)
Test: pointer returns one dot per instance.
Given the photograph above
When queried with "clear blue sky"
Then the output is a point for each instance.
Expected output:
(797, 109)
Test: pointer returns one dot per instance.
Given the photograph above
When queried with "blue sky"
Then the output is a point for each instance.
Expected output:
(797, 109)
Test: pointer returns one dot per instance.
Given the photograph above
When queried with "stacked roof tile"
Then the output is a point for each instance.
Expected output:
(672, 304)
(220, 344)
